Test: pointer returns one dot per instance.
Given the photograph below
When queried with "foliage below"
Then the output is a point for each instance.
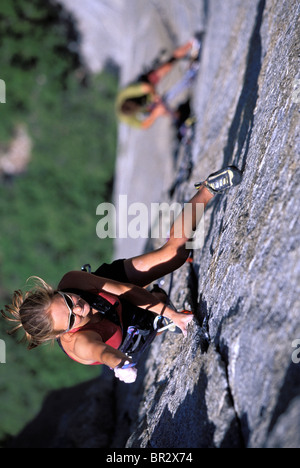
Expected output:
(49, 213)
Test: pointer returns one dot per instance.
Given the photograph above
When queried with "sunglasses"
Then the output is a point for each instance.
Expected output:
(70, 304)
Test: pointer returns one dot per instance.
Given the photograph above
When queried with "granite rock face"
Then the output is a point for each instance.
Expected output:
(235, 380)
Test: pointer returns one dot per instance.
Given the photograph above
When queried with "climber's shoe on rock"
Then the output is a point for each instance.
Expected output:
(222, 180)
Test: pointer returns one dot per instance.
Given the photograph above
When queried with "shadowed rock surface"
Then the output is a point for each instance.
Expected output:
(232, 382)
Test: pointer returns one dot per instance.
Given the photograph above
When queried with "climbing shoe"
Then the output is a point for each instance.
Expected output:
(222, 180)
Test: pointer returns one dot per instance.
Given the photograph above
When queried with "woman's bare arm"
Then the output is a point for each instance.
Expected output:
(88, 348)
(138, 296)
(89, 282)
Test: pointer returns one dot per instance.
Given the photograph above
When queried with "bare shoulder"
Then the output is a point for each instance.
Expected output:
(83, 346)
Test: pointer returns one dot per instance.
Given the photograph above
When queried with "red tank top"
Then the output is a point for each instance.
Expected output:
(110, 333)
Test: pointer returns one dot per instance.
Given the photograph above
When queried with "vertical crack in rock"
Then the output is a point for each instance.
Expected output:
(242, 124)
(224, 359)
(240, 132)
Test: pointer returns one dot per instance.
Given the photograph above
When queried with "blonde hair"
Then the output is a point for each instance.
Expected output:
(30, 312)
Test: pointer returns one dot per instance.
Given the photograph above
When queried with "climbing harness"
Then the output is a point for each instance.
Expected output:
(142, 328)
(137, 341)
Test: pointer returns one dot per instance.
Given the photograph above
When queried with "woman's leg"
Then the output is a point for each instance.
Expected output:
(156, 75)
(148, 267)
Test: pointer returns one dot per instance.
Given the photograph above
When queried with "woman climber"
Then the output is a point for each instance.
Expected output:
(65, 313)
(139, 104)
